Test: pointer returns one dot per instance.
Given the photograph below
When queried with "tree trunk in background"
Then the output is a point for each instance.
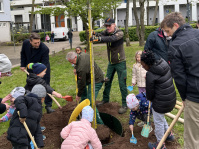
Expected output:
(127, 24)
(31, 17)
(155, 13)
(115, 14)
(139, 24)
(147, 12)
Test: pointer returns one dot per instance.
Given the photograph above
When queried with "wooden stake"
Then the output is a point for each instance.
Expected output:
(173, 116)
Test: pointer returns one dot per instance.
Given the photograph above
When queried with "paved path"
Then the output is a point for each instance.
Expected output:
(14, 53)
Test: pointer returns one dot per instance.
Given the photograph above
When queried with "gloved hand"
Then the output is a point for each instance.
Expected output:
(133, 140)
(94, 39)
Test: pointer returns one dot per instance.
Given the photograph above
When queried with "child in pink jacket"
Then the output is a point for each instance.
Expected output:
(78, 134)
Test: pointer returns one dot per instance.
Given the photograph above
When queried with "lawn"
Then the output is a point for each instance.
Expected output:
(63, 81)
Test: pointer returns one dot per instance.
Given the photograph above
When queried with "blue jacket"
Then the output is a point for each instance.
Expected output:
(157, 43)
(142, 111)
(30, 107)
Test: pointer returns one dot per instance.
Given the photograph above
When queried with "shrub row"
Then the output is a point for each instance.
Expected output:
(132, 32)
(22, 37)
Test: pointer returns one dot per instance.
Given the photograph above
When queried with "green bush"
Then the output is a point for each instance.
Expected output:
(21, 37)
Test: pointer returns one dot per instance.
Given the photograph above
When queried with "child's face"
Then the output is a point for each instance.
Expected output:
(78, 51)
(42, 74)
(145, 66)
(136, 108)
(138, 58)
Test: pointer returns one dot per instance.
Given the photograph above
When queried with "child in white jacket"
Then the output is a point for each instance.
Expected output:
(139, 73)
(80, 134)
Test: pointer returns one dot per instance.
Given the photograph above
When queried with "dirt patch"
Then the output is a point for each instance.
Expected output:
(54, 123)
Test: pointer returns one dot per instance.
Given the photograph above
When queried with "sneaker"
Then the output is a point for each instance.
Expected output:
(140, 124)
(44, 137)
(151, 129)
(122, 110)
(43, 128)
(49, 109)
(154, 145)
(170, 137)
(101, 103)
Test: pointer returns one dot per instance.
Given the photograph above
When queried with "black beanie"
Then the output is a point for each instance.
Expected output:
(2, 108)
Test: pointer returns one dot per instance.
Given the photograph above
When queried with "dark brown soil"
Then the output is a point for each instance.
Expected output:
(54, 123)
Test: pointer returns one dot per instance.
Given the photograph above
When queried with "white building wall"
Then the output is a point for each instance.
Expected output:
(5, 19)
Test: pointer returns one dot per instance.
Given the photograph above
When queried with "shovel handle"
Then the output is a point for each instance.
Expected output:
(29, 133)
(148, 112)
(170, 127)
(54, 100)
(26, 71)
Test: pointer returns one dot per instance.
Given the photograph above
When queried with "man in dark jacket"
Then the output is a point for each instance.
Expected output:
(82, 63)
(34, 51)
(184, 62)
(30, 109)
(70, 37)
(156, 42)
(113, 36)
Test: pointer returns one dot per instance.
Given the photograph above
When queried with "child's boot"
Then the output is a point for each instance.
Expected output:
(170, 137)
(154, 145)
(49, 109)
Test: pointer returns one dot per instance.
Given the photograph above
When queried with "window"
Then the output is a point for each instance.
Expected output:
(4, 24)
(1, 4)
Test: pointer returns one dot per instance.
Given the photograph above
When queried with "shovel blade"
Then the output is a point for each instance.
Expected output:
(130, 88)
(145, 131)
(68, 98)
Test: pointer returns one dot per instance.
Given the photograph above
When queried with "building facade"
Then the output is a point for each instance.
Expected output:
(20, 14)
(5, 20)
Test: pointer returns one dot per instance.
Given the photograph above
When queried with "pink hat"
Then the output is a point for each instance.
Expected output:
(132, 101)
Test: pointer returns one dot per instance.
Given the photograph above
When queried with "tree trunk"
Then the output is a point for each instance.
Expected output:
(115, 14)
(155, 13)
(142, 29)
(139, 25)
(31, 17)
(147, 12)
(127, 24)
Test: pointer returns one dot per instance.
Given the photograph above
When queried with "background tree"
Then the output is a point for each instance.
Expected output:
(139, 23)
(127, 24)
(80, 8)
(31, 16)
(155, 12)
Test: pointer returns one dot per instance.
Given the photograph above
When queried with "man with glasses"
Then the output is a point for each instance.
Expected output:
(113, 36)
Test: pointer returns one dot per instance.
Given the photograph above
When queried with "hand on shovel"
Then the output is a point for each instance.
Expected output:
(133, 140)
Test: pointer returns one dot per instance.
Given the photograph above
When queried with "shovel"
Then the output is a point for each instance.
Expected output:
(29, 133)
(133, 139)
(68, 98)
(130, 88)
(170, 127)
(146, 127)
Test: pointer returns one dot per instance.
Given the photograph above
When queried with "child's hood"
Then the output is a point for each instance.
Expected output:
(32, 79)
(160, 67)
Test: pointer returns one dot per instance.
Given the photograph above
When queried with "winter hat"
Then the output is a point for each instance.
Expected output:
(87, 113)
(132, 101)
(5, 64)
(39, 90)
(17, 91)
(2, 108)
(37, 67)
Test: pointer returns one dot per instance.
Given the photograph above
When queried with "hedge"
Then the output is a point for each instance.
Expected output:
(22, 37)
(132, 32)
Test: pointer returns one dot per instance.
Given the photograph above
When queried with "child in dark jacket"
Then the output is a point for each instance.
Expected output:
(30, 109)
(161, 92)
(139, 109)
(39, 70)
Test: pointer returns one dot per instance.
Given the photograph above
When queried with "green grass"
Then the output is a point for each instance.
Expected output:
(63, 81)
